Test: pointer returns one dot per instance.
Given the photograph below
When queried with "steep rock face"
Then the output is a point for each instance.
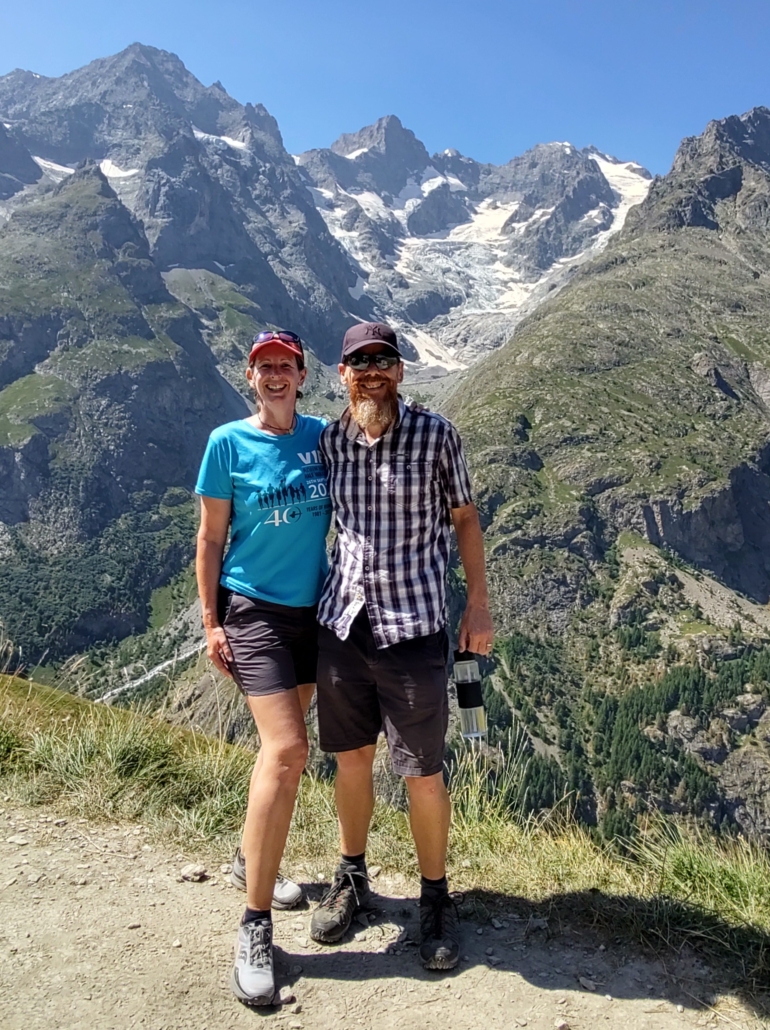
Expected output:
(743, 778)
(208, 178)
(111, 393)
(17, 169)
(641, 388)
(109, 369)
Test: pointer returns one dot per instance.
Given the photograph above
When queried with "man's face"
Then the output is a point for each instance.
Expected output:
(373, 391)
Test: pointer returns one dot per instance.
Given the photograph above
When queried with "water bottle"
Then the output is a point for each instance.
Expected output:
(473, 718)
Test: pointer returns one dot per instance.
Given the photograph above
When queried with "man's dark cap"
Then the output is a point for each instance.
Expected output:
(364, 333)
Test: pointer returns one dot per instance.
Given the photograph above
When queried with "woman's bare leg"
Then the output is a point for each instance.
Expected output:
(281, 724)
(305, 691)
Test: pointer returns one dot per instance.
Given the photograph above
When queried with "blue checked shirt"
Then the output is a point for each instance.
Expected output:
(391, 508)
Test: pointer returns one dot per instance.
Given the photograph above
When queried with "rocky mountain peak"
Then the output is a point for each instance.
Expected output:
(388, 137)
(730, 161)
(118, 103)
(738, 137)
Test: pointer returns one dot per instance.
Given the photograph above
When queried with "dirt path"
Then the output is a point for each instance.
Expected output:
(97, 931)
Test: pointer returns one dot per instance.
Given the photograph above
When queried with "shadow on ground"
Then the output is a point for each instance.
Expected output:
(587, 941)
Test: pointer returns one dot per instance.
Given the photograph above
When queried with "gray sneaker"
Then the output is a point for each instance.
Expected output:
(253, 977)
(286, 893)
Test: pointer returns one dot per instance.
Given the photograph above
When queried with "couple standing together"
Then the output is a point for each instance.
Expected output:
(370, 629)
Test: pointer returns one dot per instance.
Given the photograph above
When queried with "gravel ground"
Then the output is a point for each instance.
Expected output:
(98, 930)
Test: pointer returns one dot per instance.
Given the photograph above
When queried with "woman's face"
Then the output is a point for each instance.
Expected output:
(274, 375)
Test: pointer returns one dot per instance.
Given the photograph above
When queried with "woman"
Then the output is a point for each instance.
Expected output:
(262, 480)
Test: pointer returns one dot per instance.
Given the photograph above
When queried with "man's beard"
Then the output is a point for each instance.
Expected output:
(370, 413)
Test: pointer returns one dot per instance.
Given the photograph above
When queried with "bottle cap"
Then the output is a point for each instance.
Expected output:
(465, 656)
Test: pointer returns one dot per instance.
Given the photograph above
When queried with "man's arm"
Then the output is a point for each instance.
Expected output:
(476, 630)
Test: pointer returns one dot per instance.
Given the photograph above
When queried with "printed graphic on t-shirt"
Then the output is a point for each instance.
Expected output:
(302, 491)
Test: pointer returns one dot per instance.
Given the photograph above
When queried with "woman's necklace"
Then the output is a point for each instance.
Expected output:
(279, 429)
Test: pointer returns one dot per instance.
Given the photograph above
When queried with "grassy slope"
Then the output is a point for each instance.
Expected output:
(106, 764)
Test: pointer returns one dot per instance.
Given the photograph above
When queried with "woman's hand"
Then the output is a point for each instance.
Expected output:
(218, 650)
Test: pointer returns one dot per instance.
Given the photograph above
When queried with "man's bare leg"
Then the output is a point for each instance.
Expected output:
(429, 815)
(354, 794)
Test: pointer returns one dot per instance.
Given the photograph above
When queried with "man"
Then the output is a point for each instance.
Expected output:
(397, 480)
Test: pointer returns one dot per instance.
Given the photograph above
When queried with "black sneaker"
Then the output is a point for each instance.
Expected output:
(348, 894)
(439, 931)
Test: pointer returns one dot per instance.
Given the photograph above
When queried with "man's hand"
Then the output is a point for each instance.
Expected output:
(477, 633)
(218, 649)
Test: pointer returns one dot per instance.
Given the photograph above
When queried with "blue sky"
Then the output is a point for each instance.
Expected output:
(489, 78)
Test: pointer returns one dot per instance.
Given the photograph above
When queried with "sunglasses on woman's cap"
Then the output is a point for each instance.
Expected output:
(283, 337)
(361, 361)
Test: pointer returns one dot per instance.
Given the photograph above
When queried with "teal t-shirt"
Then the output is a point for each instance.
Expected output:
(280, 509)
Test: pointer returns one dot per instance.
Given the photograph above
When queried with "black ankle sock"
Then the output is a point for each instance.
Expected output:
(256, 915)
(433, 886)
(358, 860)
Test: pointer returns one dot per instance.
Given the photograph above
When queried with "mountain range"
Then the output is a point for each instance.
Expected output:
(151, 224)
(600, 337)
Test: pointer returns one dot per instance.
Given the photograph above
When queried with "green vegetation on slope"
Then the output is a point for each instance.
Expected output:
(99, 589)
(105, 764)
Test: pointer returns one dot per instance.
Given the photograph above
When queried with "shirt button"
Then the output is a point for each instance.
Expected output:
(369, 508)
(366, 568)
(370, 479)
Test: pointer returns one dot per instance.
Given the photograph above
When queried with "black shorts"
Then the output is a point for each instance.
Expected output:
(400, 689)
(274, 647)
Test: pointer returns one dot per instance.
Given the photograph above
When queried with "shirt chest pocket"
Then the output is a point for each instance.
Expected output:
(411, 484)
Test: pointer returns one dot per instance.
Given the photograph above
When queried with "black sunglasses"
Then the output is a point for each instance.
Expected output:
(362, 361)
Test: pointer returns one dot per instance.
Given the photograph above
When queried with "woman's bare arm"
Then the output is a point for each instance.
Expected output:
(212, 536)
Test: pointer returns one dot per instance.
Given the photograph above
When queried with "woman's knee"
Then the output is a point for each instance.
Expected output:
(285, 759)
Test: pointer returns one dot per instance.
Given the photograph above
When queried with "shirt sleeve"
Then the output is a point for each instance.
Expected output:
(215, 478)
(454, 471)
(323, 446)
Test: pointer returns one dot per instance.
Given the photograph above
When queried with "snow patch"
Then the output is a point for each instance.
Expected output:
(206, 137)
(321, 198)
(629, 183)
(111, 170)
(374, 206)
(357, 153)
(51, 169)
(430, 351)
(357, 291)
